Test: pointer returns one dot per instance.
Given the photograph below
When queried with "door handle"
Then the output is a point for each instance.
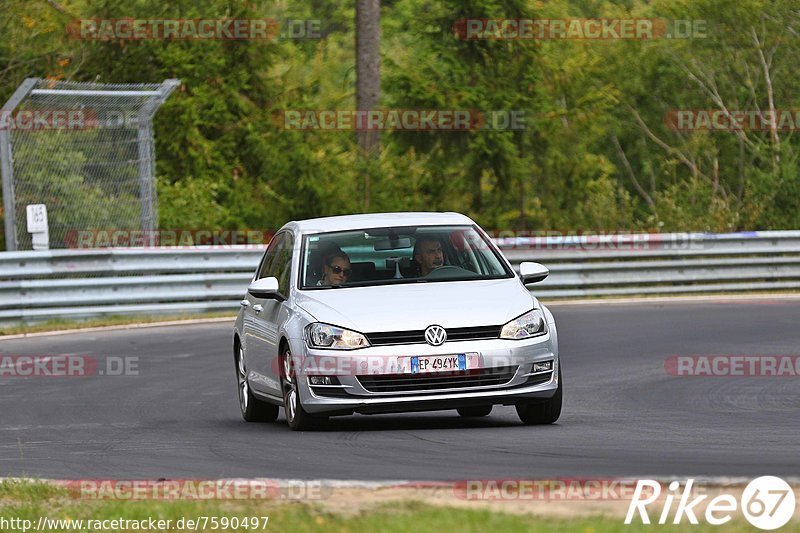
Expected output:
(257, 308)
(245, 303)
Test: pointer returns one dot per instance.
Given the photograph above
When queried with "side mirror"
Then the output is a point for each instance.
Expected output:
(265, 288)
(532, 272)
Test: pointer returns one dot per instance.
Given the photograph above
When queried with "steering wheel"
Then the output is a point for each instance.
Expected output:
(448, 270)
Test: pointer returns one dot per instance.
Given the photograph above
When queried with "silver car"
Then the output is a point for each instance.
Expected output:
(395, 312)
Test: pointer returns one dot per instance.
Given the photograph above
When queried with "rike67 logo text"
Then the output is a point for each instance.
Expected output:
(767, 502)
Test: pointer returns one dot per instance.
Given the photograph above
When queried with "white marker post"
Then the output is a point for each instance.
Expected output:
(37, 226)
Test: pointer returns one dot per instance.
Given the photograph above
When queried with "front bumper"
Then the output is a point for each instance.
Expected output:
(511, 360)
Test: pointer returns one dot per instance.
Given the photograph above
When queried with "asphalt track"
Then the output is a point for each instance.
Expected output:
(624, 415)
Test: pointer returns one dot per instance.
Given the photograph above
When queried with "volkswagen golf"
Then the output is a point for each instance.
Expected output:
(394, 312)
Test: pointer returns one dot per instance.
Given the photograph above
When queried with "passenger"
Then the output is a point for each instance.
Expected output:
(428, 255)
(335, 269)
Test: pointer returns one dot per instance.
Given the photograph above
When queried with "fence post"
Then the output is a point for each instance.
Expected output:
(7, 162)
(147, 161)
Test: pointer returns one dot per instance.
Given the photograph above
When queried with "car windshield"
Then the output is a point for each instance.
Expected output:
(411, 254)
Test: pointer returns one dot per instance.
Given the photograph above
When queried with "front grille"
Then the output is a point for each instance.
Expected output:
(385, 338)
(483, 377)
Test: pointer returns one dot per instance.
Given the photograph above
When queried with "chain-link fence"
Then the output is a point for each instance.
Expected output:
(86, 151)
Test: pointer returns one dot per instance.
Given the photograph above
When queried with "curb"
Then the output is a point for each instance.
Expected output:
(713, 481)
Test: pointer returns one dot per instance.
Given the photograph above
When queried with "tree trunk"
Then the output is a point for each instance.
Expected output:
(368, 79)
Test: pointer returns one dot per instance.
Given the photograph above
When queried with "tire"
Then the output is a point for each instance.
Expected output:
(545, 412)
(297, 417)
(476, 411)
(253, 409)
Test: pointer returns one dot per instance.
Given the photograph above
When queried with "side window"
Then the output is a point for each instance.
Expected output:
(283, 263)
(269, 257)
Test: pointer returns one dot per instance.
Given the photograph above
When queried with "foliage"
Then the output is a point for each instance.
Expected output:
(595, 154)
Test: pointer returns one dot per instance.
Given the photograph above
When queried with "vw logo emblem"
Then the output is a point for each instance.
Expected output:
(435, 335)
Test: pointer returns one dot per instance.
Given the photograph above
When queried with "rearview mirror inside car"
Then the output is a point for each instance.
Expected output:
(393, 244)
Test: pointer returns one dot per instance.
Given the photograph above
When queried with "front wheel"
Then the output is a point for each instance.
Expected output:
(545, 412)
(297, 417)
(253, 409)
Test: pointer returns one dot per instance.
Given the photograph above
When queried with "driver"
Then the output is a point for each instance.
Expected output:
(336, 268)
(428, 254)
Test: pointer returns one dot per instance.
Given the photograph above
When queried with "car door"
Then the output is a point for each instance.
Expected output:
(255, 329)
(267, 317)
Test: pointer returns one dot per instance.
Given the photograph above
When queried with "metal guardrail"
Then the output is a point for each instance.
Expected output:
(43, 285)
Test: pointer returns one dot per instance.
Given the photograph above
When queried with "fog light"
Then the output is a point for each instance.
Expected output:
(543, 367)
(319, 380)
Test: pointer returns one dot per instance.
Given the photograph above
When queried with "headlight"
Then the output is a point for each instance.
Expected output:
(531, 324)
(319, 335)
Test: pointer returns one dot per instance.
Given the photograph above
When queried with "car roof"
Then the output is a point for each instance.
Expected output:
(378, 220)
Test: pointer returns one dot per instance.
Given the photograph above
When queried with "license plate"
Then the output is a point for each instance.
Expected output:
(438, 363)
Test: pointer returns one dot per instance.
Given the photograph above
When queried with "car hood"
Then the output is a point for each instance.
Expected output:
(416, 306)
